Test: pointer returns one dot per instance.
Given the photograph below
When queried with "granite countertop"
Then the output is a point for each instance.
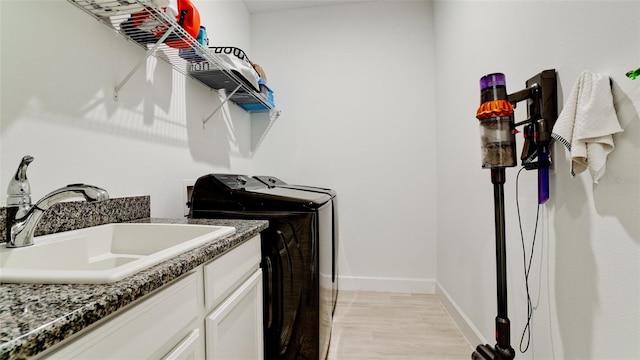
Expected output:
(34, 317)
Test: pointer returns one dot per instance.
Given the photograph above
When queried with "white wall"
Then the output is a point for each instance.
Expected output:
(356, 86)
(584, 278)
(59, 67)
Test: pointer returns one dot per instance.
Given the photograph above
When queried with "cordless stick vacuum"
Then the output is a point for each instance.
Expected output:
(498, 152)
(497, 130)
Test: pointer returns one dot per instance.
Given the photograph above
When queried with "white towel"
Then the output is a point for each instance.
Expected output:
(586, 124)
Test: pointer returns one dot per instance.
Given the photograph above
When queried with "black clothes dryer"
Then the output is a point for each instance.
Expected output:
(300, 278)
(329, 247)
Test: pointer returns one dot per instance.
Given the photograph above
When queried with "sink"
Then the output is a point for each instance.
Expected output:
(101, 254)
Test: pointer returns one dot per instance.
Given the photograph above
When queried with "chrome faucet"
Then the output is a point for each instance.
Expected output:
(23, 217)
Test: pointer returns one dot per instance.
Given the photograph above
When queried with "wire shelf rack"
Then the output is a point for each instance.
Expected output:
(160, 29)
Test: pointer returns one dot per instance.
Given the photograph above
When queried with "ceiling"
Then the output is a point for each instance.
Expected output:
(261, 6)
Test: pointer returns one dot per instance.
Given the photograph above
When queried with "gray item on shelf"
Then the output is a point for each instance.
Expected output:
(236, 61)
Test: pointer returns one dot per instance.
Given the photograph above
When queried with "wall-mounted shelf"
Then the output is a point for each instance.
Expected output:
(116, 15)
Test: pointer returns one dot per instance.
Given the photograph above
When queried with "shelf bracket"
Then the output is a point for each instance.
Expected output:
(142, 61)
(274, 114)
(261, 124)
(221, 105)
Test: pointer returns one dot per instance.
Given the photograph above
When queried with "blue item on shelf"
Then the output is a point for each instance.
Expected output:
(266, 93)
(203, 39)
(192, 54)
(253, 107)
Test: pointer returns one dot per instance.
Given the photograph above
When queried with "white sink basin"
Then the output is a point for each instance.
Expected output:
(101, 254)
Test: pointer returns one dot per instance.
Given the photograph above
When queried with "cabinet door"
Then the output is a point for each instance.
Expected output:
(187, 349)
(234, 329)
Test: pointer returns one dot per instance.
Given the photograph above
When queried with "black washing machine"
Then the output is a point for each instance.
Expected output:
(299, 251)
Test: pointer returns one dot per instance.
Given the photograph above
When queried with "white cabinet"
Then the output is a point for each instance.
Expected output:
(233, 295)
(214, 311)
(231, 328)
(148, 330)
(225, 274)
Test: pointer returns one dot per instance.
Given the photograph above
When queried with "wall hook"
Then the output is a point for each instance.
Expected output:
(633, 74)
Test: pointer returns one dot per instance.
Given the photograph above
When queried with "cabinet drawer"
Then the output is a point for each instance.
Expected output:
(226, 273)
(147, 330)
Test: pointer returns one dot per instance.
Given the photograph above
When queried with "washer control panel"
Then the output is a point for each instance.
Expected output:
(238, 182)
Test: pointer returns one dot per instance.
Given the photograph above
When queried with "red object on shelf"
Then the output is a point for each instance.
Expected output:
(189, 18)
(145, 21)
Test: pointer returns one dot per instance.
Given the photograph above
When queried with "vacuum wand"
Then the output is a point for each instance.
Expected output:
(503, 325)
(502, 349)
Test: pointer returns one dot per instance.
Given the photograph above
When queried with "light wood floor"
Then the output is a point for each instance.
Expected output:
(388, 326)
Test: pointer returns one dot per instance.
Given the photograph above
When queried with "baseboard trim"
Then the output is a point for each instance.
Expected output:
(470, 332)
(384, 284)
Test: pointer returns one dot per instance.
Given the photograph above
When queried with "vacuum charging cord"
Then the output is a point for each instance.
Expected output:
(527, 268)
